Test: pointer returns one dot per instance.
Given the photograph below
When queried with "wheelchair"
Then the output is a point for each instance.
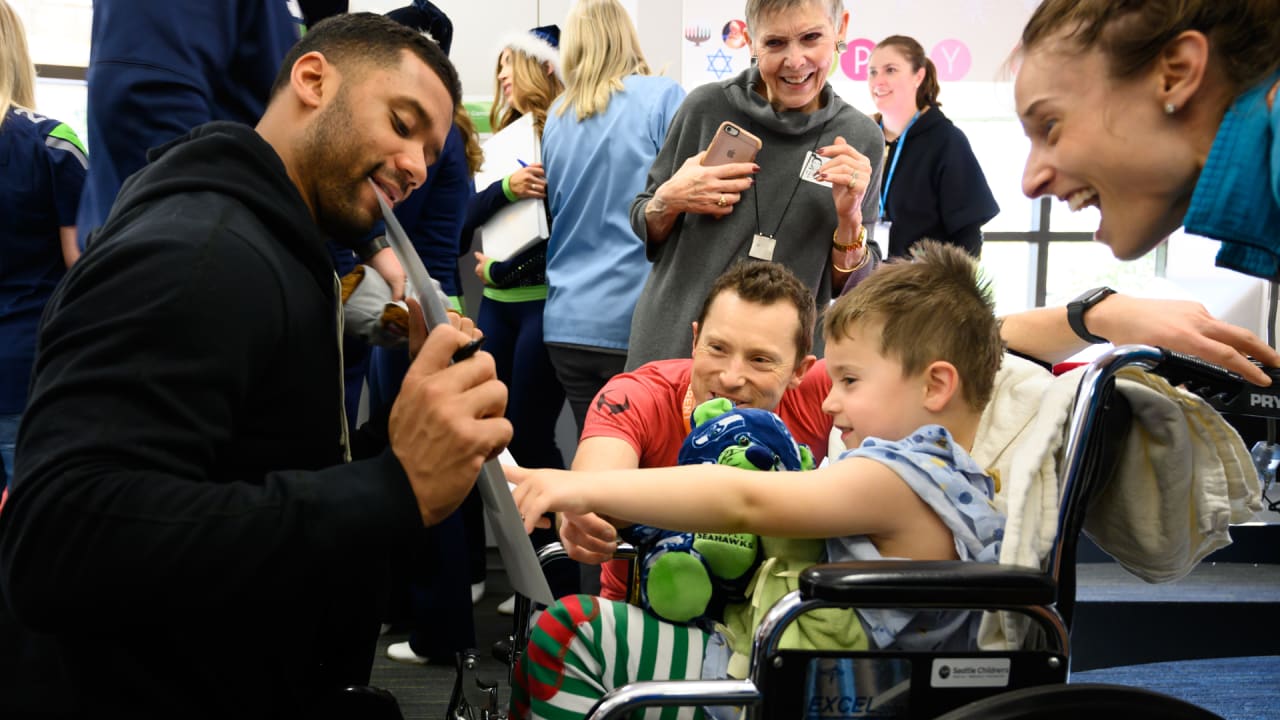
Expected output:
(1026, 682)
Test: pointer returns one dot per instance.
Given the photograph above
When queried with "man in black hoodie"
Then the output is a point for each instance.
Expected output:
(182, 521)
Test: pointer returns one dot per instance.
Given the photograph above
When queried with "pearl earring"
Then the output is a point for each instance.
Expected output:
(841, 46)
(1170, 108)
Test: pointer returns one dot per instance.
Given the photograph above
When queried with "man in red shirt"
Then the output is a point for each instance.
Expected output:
(751, 344)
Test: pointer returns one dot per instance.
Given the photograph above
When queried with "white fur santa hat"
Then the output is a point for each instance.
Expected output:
(542, 43)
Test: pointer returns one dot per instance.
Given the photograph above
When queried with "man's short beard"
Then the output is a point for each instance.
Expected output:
(344, 229)
(330, 156)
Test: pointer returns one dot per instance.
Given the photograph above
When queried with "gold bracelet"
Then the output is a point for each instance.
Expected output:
(862, 239)
(866, 257)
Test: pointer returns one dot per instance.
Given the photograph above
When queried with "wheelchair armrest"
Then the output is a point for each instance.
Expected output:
(555, 551)
(926, 583)
(620, 702)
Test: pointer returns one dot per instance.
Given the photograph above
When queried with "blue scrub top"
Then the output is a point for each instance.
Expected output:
(159, 68)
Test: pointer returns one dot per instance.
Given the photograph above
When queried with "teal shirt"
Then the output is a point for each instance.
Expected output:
(1237, 198)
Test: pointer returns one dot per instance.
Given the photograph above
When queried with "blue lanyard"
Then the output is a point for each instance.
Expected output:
(902, 143)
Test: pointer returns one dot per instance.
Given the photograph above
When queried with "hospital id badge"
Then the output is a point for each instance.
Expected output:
(762, 247)
(809, 170)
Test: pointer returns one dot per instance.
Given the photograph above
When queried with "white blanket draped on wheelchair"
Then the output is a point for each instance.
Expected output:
(1184, 477)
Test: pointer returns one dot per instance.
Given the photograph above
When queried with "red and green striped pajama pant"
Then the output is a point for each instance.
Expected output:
(582, 647)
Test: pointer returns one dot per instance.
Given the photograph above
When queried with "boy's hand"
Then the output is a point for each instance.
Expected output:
(539, 492)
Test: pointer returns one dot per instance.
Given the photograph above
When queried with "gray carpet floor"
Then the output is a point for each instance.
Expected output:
(1235, 688)
(423, 690)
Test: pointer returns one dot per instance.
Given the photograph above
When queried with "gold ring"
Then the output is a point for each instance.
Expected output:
(853, 181)
(721, 202)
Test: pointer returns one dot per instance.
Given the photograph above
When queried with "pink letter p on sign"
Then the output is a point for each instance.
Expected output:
(855, 60)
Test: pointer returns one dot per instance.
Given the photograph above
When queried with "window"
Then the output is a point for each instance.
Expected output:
(58, 31)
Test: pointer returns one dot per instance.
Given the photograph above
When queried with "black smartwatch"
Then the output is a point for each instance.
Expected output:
(373, 247)
(1081, 305)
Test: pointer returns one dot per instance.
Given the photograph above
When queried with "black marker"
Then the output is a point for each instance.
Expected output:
(467, 350)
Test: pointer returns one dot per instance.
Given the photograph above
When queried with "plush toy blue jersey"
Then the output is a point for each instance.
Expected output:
(689, 577)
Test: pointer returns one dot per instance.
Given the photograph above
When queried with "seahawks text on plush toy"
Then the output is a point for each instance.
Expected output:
(689, 577)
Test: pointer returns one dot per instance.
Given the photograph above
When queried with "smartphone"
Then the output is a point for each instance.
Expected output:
(731, 144)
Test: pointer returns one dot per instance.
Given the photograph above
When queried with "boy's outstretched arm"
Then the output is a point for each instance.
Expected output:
(852, 497)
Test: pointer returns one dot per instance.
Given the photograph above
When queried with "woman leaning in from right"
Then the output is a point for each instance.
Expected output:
(938, 189)
(1160, 113)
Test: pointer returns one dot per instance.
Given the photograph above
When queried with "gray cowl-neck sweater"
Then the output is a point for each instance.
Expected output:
(800, 215)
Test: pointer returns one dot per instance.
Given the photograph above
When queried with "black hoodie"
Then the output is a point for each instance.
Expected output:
(938, 189)
(180, 518)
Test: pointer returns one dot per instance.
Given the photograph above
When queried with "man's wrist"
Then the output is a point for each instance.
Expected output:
(373, 247)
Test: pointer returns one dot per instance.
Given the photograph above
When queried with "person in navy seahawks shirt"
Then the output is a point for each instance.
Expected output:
(42, 168)
(158, 68)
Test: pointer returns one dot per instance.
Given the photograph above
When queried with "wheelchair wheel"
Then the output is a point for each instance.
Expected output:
(359, 701)
(1069, 702)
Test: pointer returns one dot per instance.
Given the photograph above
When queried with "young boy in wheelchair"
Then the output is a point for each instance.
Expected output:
(913, 353)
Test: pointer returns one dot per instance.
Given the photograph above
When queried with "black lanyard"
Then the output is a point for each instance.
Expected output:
(755, 192)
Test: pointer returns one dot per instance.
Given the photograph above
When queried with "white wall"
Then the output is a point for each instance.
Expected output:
(480, 25)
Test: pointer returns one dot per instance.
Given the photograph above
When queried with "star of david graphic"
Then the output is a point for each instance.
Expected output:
(718, 63)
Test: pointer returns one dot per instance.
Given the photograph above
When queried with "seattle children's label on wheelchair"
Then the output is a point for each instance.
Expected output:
(969, 672)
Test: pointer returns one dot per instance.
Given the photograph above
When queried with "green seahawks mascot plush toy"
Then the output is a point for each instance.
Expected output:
(690, 577)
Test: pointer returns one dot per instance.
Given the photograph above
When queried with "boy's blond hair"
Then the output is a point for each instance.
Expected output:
(932, 307)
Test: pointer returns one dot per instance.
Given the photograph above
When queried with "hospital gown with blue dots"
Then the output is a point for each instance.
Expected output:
(962, 494)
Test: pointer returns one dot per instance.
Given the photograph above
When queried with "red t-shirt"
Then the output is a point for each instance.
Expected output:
(645, 408)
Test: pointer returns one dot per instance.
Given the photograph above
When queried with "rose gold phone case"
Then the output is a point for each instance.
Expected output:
(731, 144)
